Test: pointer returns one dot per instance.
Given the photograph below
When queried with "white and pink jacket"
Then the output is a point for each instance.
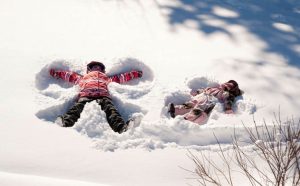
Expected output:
(94, 83)
(203, 101)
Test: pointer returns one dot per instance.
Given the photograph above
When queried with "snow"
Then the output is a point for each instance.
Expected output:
(179, 45)
(29, 180)
(283, 27)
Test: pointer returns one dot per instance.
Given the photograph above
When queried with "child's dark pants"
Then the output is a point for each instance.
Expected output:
(113, 117)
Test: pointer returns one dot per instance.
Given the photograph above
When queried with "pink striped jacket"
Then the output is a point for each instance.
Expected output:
(94, 83)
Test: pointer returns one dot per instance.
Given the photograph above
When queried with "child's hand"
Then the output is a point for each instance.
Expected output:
(196, 92)
(136, 73)
(140, 73)
(193, 93)
(52, 73)
(229, 111)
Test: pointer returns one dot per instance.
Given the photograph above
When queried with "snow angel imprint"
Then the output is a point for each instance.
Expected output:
(204, 100)
(93, 86)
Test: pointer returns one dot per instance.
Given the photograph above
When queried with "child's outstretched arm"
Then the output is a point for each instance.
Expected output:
(71, 77)
(127, 76)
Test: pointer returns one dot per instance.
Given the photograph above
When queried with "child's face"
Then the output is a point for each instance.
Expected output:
(96, 68)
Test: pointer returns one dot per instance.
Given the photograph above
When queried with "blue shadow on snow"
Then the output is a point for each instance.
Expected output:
(258, 16)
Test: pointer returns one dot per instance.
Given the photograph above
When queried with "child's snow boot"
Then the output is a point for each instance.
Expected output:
(172, 110)
(124, 127)
(60, 121)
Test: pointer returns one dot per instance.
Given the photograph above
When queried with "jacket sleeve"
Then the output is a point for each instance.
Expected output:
(71, 77)
(127, 76)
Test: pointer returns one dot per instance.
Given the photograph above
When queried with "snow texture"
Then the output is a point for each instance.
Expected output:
(180, 45)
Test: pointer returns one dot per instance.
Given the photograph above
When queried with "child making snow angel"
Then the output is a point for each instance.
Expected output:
(93, 86)
(203, 101)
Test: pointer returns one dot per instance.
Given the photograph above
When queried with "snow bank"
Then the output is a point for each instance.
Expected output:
(55, 97)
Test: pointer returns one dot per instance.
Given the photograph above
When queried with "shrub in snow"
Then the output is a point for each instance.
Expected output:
(278, 163)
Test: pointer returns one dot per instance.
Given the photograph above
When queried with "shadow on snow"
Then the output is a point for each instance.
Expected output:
(258, 16)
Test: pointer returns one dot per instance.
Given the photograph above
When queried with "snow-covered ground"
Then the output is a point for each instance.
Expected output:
(179, 44)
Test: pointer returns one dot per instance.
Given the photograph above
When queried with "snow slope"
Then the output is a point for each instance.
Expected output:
(180, 45)
(15, 179)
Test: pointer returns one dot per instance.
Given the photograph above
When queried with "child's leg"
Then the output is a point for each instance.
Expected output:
(197, 116)
(193, 114)
(73, 114)
(113, 117)
(201, 119)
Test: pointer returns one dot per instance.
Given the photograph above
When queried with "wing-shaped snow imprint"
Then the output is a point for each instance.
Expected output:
(54, 97)
(181, 96)
(133, 89)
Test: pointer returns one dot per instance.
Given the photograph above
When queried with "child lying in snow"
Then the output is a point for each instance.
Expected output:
(93, 86)
(198, 109)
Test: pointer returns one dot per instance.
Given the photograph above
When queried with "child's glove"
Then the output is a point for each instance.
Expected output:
(53, 73)
(137, 74)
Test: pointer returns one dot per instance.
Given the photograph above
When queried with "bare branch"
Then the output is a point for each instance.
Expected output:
(277, 145)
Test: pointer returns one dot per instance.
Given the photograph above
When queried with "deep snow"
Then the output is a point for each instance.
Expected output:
(180, 45)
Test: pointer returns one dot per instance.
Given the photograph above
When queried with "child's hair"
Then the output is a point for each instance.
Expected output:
(233, 88)
(93, 63)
